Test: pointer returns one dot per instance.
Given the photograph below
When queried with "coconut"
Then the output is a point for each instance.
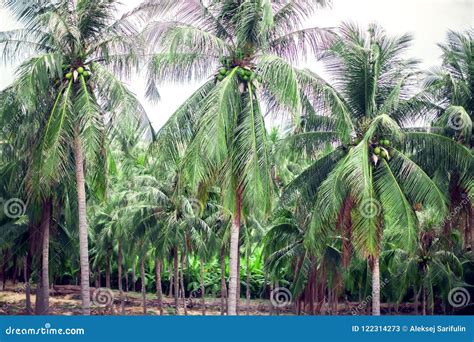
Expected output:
(222, 71)
(220, 77)
(80, 70)
(86, 73)
(377, 150)
(384, 154)
(68, 75)
(245, 78)
(248, 73)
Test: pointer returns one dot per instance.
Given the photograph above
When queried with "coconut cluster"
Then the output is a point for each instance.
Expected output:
(381, 149)
(75, 73)
(245, 74)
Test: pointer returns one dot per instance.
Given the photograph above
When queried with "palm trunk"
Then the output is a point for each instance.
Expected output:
(26, 275)
(423, 300)
(126, 278)
(159, 290)
(237, 300)
(170, 272)
(223, 284)
(203, 299)
(134, 289)
(417, 297)
(83, 228)
(181, 279)
(247, 290)
(234, 257)
(119, 269)
(375, 286)
(4, 269)
(97, 278)
(176, 280)
(107, 270)
(142, 272)
(43, 302)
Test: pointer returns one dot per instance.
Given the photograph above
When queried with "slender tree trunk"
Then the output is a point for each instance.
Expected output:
(44, 228)
(26, 275)
(423, 300)
(247, 290)
(159, 290)
(234, 281)
(142, 272)
(176, 280)
(375, 286)
(133, 276)
(15, 270)
(237, 300)
(4, 269)
(126, 278)
(203, 299)
(119, 269)
(170, 272)
(97, 279)
(417, 302)
(83, 228)
(223, 284)
(182, 284)
(107, 270)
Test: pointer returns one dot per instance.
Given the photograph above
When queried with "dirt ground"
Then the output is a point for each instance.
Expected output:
(13, 302)
(66, 300)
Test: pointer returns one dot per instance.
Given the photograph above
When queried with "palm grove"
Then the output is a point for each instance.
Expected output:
(364, 194)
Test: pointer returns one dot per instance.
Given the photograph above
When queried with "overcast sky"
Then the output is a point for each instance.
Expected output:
(427, 20)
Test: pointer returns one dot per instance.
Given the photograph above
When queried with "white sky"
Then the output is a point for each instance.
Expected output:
(427, 20)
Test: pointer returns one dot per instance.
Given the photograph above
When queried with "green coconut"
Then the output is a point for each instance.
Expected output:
(384, 154)
(80, 70)
(222, 71)
(220, 77)
(377, 150)
(68, 75)
(86, 74)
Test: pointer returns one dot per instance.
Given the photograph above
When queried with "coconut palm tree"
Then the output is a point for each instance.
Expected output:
(245, 50)
(447, 99)
(370, 181)
(449, 89)
(71, 49)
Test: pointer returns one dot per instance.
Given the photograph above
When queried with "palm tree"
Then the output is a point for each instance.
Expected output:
(370, 181)
(246, 50)
(75, 45)
(447, 98)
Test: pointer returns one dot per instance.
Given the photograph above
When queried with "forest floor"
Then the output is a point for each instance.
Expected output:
(66, 300)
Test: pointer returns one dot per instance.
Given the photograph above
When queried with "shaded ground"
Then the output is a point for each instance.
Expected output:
(66, 300)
